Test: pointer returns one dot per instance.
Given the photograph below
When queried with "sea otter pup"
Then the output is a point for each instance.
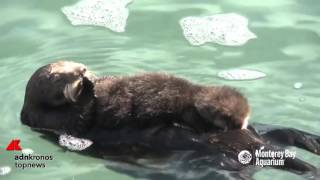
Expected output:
(149, 99)
(64, 96)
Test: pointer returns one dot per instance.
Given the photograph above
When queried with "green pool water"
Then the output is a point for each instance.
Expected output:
(34, 33)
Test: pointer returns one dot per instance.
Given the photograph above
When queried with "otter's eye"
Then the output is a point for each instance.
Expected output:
(56, 78)
(53, 76)
(59, 96)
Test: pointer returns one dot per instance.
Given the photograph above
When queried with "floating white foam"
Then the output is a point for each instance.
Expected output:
(74, 143)
(111, 14)
(27, 151)
(297, 85)
(4, 170)
(226, 29)
(241, 74)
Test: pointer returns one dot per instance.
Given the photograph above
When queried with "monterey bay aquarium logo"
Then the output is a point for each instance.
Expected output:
(25, 158)
(265, 157)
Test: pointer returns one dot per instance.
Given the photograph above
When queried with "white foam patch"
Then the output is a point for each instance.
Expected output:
(74, 143)
(27, 151)
(111, 14)
(225, 29)
(4, 170)
(298, 85)
(241, 74)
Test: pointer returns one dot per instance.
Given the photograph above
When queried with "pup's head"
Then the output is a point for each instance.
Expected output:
(223, 107)
(57, 88)
(232, 107)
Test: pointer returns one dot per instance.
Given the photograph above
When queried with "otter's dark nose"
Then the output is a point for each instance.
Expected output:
(81, 70)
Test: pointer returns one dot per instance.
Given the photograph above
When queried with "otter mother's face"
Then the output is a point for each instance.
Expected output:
(58, 83)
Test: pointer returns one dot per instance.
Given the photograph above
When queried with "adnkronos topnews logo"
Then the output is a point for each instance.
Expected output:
(265, 157)
(24, 158)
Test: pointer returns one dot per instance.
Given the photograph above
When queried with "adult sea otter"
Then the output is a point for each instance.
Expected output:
(151, 112)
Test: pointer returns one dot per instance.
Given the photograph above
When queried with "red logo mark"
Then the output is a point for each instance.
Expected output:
(14, 145)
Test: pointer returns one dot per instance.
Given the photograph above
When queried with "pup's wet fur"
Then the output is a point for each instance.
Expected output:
(155, 98)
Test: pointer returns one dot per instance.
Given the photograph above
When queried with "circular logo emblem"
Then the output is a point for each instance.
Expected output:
(244, 157)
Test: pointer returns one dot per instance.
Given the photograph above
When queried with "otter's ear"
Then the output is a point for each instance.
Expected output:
(73, 90)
